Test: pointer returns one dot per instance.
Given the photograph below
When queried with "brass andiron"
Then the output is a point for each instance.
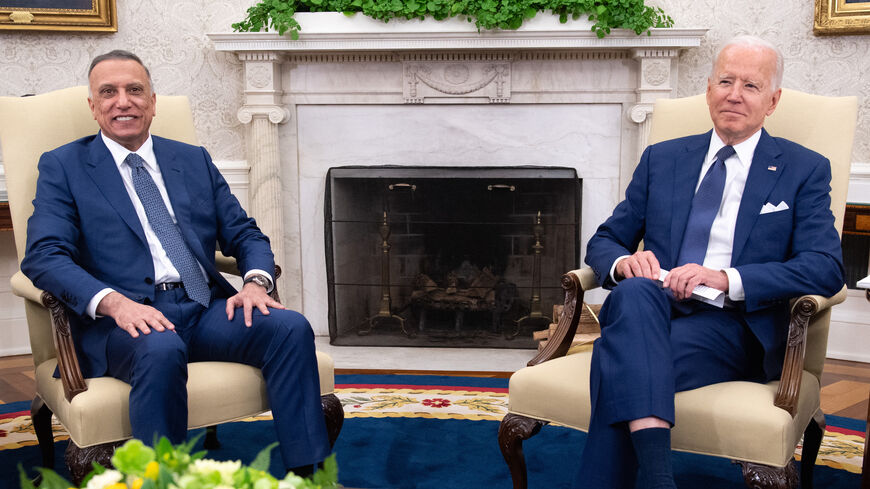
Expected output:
(535, 312)
(385, 313)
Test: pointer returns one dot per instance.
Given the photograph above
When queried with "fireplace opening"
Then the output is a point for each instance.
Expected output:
(444, 256)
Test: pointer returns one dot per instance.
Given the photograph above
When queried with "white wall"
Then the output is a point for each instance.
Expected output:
(170, 36)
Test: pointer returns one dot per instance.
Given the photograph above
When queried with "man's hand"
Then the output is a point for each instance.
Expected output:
(683, 280)
(641, 264)
(251, 296)
(131, 316)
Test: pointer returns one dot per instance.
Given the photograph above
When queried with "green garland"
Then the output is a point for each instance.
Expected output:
(486, 14)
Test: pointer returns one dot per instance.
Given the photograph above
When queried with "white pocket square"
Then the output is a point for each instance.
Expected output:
(768, 207)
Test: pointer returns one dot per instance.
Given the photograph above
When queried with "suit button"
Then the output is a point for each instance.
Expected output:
(147, 301)
(149, 280)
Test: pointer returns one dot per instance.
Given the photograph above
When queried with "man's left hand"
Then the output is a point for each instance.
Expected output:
(683, 280)
(251, 296)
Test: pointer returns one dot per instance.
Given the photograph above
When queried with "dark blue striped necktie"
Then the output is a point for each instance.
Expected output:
(167, 232)
(705, 206)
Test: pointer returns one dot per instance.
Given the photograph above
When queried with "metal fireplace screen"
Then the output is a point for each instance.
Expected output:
(465, 257)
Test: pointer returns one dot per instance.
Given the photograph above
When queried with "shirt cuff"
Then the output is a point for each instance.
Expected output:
(257, 271)
(735, 285)
(95, 301)
(613, 267)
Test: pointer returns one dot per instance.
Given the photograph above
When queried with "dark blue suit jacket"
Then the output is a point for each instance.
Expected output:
(84, 234)
(779, 255)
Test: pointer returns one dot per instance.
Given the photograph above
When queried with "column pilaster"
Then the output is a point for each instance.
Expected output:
(263, 111)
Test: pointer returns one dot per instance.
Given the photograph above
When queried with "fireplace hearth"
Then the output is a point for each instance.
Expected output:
(436, 256)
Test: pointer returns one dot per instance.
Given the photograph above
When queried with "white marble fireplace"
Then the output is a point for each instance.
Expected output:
(354, 91)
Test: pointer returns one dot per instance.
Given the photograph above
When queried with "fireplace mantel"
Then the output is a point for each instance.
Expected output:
(357, 91)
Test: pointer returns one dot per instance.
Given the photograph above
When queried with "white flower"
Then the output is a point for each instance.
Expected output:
(292, 481)
(225, 469)
(105, 479)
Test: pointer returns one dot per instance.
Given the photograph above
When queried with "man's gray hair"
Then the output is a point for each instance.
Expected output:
(759, 43)
(119, 54)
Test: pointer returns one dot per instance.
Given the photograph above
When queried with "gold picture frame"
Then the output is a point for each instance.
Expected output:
(59, 15)
(842, 17)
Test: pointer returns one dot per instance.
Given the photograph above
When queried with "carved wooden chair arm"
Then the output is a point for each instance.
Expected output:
(67, 362)
(575, 283)
(802, 311)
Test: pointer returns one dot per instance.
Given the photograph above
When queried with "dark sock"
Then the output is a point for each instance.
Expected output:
(303, 471)
(653, 449)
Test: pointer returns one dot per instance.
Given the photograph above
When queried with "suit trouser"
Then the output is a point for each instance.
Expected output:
(647, 352)
(281, 344)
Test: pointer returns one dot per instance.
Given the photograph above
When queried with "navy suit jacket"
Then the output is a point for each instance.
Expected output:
(84, 234)
(779, 255)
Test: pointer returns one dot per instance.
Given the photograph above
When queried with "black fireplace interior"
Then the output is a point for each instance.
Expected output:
(438, 256)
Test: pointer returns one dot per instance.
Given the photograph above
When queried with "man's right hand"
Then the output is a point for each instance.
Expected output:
(641, 264)
(131, 316)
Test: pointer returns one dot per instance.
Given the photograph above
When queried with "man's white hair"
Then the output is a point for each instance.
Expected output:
(758, 43)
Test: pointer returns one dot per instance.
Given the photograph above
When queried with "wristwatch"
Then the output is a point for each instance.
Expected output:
(259, 280)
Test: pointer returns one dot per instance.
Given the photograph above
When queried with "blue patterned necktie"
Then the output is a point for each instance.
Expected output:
(705, 206)
(167, 232)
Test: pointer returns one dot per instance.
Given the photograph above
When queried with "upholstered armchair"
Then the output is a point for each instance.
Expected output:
(95, 411)
(756, 425)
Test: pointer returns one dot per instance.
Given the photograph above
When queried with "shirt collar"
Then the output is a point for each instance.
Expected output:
(119, 153)
(744, 150)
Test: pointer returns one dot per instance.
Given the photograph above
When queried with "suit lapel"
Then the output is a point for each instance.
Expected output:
(759, 183)
(174, 177)
(104, 172)
(687, 171)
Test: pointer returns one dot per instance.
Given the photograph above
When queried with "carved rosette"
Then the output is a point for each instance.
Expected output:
(457, 81)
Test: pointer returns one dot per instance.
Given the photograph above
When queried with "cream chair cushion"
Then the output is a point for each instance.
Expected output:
(732, 419)
(217, 392)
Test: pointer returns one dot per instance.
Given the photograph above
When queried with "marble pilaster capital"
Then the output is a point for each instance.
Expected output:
(275, 113)
(639, 113)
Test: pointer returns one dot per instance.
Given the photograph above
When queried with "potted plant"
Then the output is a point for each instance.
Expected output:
(605, 15)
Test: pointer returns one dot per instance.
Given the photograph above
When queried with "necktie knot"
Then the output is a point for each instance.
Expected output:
(135, 161)
(723, 154)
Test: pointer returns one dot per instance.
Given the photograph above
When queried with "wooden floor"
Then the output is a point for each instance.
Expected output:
(845, 385)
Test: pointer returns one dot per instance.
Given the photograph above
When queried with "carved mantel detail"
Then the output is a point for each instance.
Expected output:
(448, 80)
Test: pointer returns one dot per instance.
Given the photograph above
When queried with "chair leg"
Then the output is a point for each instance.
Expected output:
(758, 476)
(812, 442)
(511, 433)
(211, 441)
(333, 412)
(79, 461)
(40, 415)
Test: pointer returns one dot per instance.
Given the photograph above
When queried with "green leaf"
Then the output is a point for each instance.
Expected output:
(262, 460)
(132, 457)
(327, 477)
(23, 479)
(51, 480)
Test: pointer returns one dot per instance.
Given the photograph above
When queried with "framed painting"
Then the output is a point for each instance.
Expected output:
(841, 17)
(59, 15)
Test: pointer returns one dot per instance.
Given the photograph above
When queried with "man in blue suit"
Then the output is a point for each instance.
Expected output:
(123, 231)
(733, 209)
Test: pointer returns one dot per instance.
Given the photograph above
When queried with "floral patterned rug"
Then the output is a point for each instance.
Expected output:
(442, 397)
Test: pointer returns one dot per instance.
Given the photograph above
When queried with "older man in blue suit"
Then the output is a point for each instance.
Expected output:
(124, 230)
(734, 210)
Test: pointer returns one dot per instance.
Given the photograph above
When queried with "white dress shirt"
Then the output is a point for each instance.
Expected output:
(164, 270)
(721, 241)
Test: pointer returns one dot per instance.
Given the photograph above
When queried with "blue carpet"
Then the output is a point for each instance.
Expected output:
(420, 453)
